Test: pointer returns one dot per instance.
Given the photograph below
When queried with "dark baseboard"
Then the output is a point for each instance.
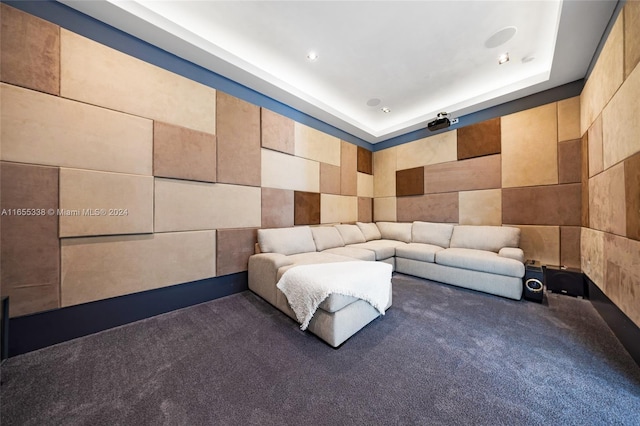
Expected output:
(32, 332)
(625, 330)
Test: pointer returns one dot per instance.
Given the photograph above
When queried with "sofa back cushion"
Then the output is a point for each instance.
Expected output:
(286, 240)
(395, 231)
(490, 238)
(326, 237)
(351, 234)
(438, 234)
(369, 230)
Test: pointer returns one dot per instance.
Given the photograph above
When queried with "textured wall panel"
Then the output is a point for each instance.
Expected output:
(410, 181)
(365, 161)
(238, 135)
(29, 247)
(530, 147)
(234, 248)
(570, 246)
(183, 153)
(479, 139)
(288, 172)
(100, 203)
(384, 172)
(277, 132)
(543, 205)
(476, 173)
(596, 164)
(306, 208)
(348, 169)
(99, 75)
(607, 208)
(277, 208)
(96, 268)
(188, 206)
(365, 209)
(431, 150)
(622, 274)
(632, 195)
(29, 51)
(584, 214)
(385, 209)
(631, 36)
(429, 208)
(329, 179)
(365, 185)
(569, 119)
(481, 207)
(338, 208)
(540, 243)
(569, 161)
(592, 255)
(45, 129)
(316, 145)
(605, 78)
(621, 122)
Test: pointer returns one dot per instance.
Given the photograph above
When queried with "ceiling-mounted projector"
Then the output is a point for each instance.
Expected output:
(441, 122)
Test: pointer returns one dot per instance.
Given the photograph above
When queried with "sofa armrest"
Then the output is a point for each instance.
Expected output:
(263, 270)
(512, 253)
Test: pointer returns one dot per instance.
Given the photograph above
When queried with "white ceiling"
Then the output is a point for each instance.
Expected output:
(417, 57)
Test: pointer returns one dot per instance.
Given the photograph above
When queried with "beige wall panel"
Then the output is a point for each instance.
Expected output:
(527, 135)
(288, 172)
(606, 77)
(431, 150)
(277, 131)
(480, 207)
(365, 185)
(96, 268)
(540, 243)
(595, 147)
(631, 36)
(592, 255)
(384, 209)
(384, 172)
(607, 208)
(277, 208)
(348, 168)
(365, 209)
(338, 208)
(44, 129)
(569, 119)
(187, 206)
(621, 122)
(316, 145)
(329, 179)
(622, 274)
(99, 75)
(118, 203)
(570, 246)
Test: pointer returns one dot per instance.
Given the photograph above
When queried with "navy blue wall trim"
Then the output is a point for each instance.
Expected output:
(32, 332)
(559, 93)
(100, 32)
(625, 330)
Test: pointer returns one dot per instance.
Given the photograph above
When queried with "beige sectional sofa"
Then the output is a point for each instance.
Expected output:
(483, 258)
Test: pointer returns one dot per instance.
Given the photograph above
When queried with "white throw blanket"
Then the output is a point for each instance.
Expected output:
(306, 286)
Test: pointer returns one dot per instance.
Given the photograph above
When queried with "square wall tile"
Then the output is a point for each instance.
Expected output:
(410, 181)
(329, 179)
(277, 208)
(338, 208)
(234, 247)
(428, 208)
(277, 132)
(480, 207)
(365, 209)
(29, 246)
(306, 208)
(385, 209)
(29, 51)
(479, 139)
(238, 139)
(183, 153)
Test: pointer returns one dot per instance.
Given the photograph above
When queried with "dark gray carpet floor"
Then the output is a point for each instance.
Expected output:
(442, 355)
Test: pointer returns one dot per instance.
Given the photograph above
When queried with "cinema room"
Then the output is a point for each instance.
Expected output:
(320, 212)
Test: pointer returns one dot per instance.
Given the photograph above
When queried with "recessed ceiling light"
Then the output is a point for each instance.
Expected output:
(386, 110)
(504, 58)
(312, 56)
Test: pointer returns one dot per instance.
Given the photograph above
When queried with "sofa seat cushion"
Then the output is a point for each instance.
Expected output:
(480, 260)
(383, 249)
(418, 251)
(354, 252)
(310, 259)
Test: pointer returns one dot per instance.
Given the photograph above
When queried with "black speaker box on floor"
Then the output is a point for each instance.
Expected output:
(570, 281)
(533, 281)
